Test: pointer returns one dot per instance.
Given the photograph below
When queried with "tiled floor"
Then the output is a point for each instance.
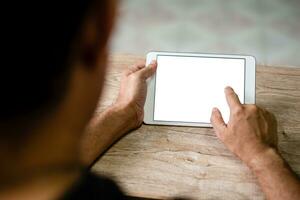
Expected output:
(267, 29)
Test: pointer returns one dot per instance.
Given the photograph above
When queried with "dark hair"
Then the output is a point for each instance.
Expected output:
(36, 41)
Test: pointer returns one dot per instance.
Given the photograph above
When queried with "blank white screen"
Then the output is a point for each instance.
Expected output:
(187, 88)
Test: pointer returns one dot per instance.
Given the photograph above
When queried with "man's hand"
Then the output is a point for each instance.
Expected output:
(251, 134)
(133, 90)
(126, 114)
(250, 131)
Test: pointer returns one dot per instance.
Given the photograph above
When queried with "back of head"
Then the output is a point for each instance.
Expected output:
(37, 41)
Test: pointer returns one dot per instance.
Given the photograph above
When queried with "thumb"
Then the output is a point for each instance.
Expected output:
(148, 71)
(218, 123)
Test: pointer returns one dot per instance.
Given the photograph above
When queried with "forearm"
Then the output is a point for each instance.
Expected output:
(125, 115)
(104, 130)
(275, 177)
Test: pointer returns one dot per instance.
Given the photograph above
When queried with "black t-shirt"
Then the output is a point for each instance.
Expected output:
(91, 187)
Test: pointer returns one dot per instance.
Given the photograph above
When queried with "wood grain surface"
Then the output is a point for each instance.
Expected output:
(166, 161)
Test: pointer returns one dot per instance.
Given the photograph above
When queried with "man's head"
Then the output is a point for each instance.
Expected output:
(53, 59)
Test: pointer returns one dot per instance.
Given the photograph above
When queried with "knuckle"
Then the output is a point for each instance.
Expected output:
(238, 111)
(253, 108)
(135, 76)
(133, 66)
(139, 75)
(144, 75)
(124, 73)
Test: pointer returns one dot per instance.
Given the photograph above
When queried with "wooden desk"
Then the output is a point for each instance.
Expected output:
(166, 161)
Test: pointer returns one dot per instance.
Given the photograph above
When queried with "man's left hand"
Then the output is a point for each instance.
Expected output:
(133, 89)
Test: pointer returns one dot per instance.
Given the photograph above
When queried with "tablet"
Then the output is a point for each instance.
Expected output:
(187, 86)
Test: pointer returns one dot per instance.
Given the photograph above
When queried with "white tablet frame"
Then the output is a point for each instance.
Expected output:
(250, 70)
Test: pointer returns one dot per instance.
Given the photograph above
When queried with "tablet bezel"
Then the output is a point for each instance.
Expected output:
(250, 68)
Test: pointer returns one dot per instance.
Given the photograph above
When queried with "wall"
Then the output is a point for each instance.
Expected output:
(267, 29)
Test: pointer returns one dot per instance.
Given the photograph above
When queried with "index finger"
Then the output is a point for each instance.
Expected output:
(232, 98)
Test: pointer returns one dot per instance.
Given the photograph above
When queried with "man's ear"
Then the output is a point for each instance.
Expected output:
(91, 42)
(96, 32)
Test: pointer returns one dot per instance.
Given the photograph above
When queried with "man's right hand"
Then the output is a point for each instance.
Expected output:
(251, 134)
(250, 131)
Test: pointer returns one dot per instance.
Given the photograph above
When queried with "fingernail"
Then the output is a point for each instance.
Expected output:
(228, 88)
(215, 109)
(153, 62)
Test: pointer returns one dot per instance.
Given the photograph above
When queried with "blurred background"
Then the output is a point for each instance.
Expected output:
(266, 29)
